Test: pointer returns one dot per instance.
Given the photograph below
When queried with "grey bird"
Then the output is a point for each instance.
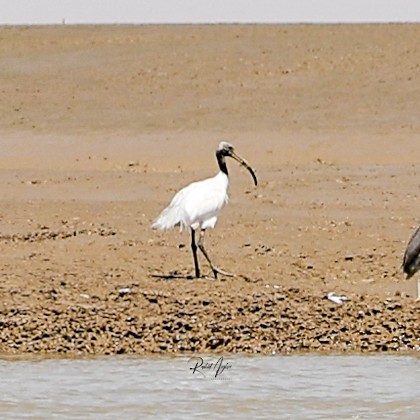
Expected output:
(411, 261)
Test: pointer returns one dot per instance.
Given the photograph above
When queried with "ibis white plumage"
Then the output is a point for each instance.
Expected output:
(197, 205)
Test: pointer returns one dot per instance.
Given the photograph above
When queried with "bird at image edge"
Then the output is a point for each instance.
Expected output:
(411, 261)
(197, 205)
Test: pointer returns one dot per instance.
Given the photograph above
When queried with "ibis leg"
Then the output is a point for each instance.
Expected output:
(203, 250)
(194, 251)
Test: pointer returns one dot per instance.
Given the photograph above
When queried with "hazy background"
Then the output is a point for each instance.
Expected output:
(206, 11)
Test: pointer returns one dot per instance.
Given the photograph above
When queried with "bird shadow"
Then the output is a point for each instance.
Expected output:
(176, 275)
(172, 276)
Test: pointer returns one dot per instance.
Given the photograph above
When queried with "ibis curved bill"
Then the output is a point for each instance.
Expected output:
(245, 164)
(197, 205)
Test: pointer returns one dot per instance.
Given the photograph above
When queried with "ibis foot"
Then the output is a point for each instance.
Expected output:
(217, 271)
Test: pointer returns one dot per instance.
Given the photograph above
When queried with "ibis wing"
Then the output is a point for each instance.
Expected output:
(412, 252)
(205, 204)
(195, 204)
(173, 214)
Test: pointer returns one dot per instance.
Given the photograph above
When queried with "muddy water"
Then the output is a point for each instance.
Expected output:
(353, 387)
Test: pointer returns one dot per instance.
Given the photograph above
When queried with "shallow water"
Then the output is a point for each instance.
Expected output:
(305, 386)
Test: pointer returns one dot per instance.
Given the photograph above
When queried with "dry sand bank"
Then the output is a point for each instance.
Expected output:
(102, 124)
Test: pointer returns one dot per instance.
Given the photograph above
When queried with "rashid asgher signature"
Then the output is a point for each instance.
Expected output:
(210, 369)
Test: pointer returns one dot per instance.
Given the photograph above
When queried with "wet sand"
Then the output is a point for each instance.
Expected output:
(101, 125)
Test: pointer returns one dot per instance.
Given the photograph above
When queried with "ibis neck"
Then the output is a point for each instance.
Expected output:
(221, 160)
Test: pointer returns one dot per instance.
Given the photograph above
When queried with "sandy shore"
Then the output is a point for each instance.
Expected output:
(101, 125)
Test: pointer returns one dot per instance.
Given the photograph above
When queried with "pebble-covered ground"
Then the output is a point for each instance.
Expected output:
(132, 320)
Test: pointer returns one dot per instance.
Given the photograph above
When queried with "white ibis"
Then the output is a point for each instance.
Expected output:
(411, 261)
(197, 205)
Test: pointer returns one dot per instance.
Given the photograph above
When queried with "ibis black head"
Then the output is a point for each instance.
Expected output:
(225, 149)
